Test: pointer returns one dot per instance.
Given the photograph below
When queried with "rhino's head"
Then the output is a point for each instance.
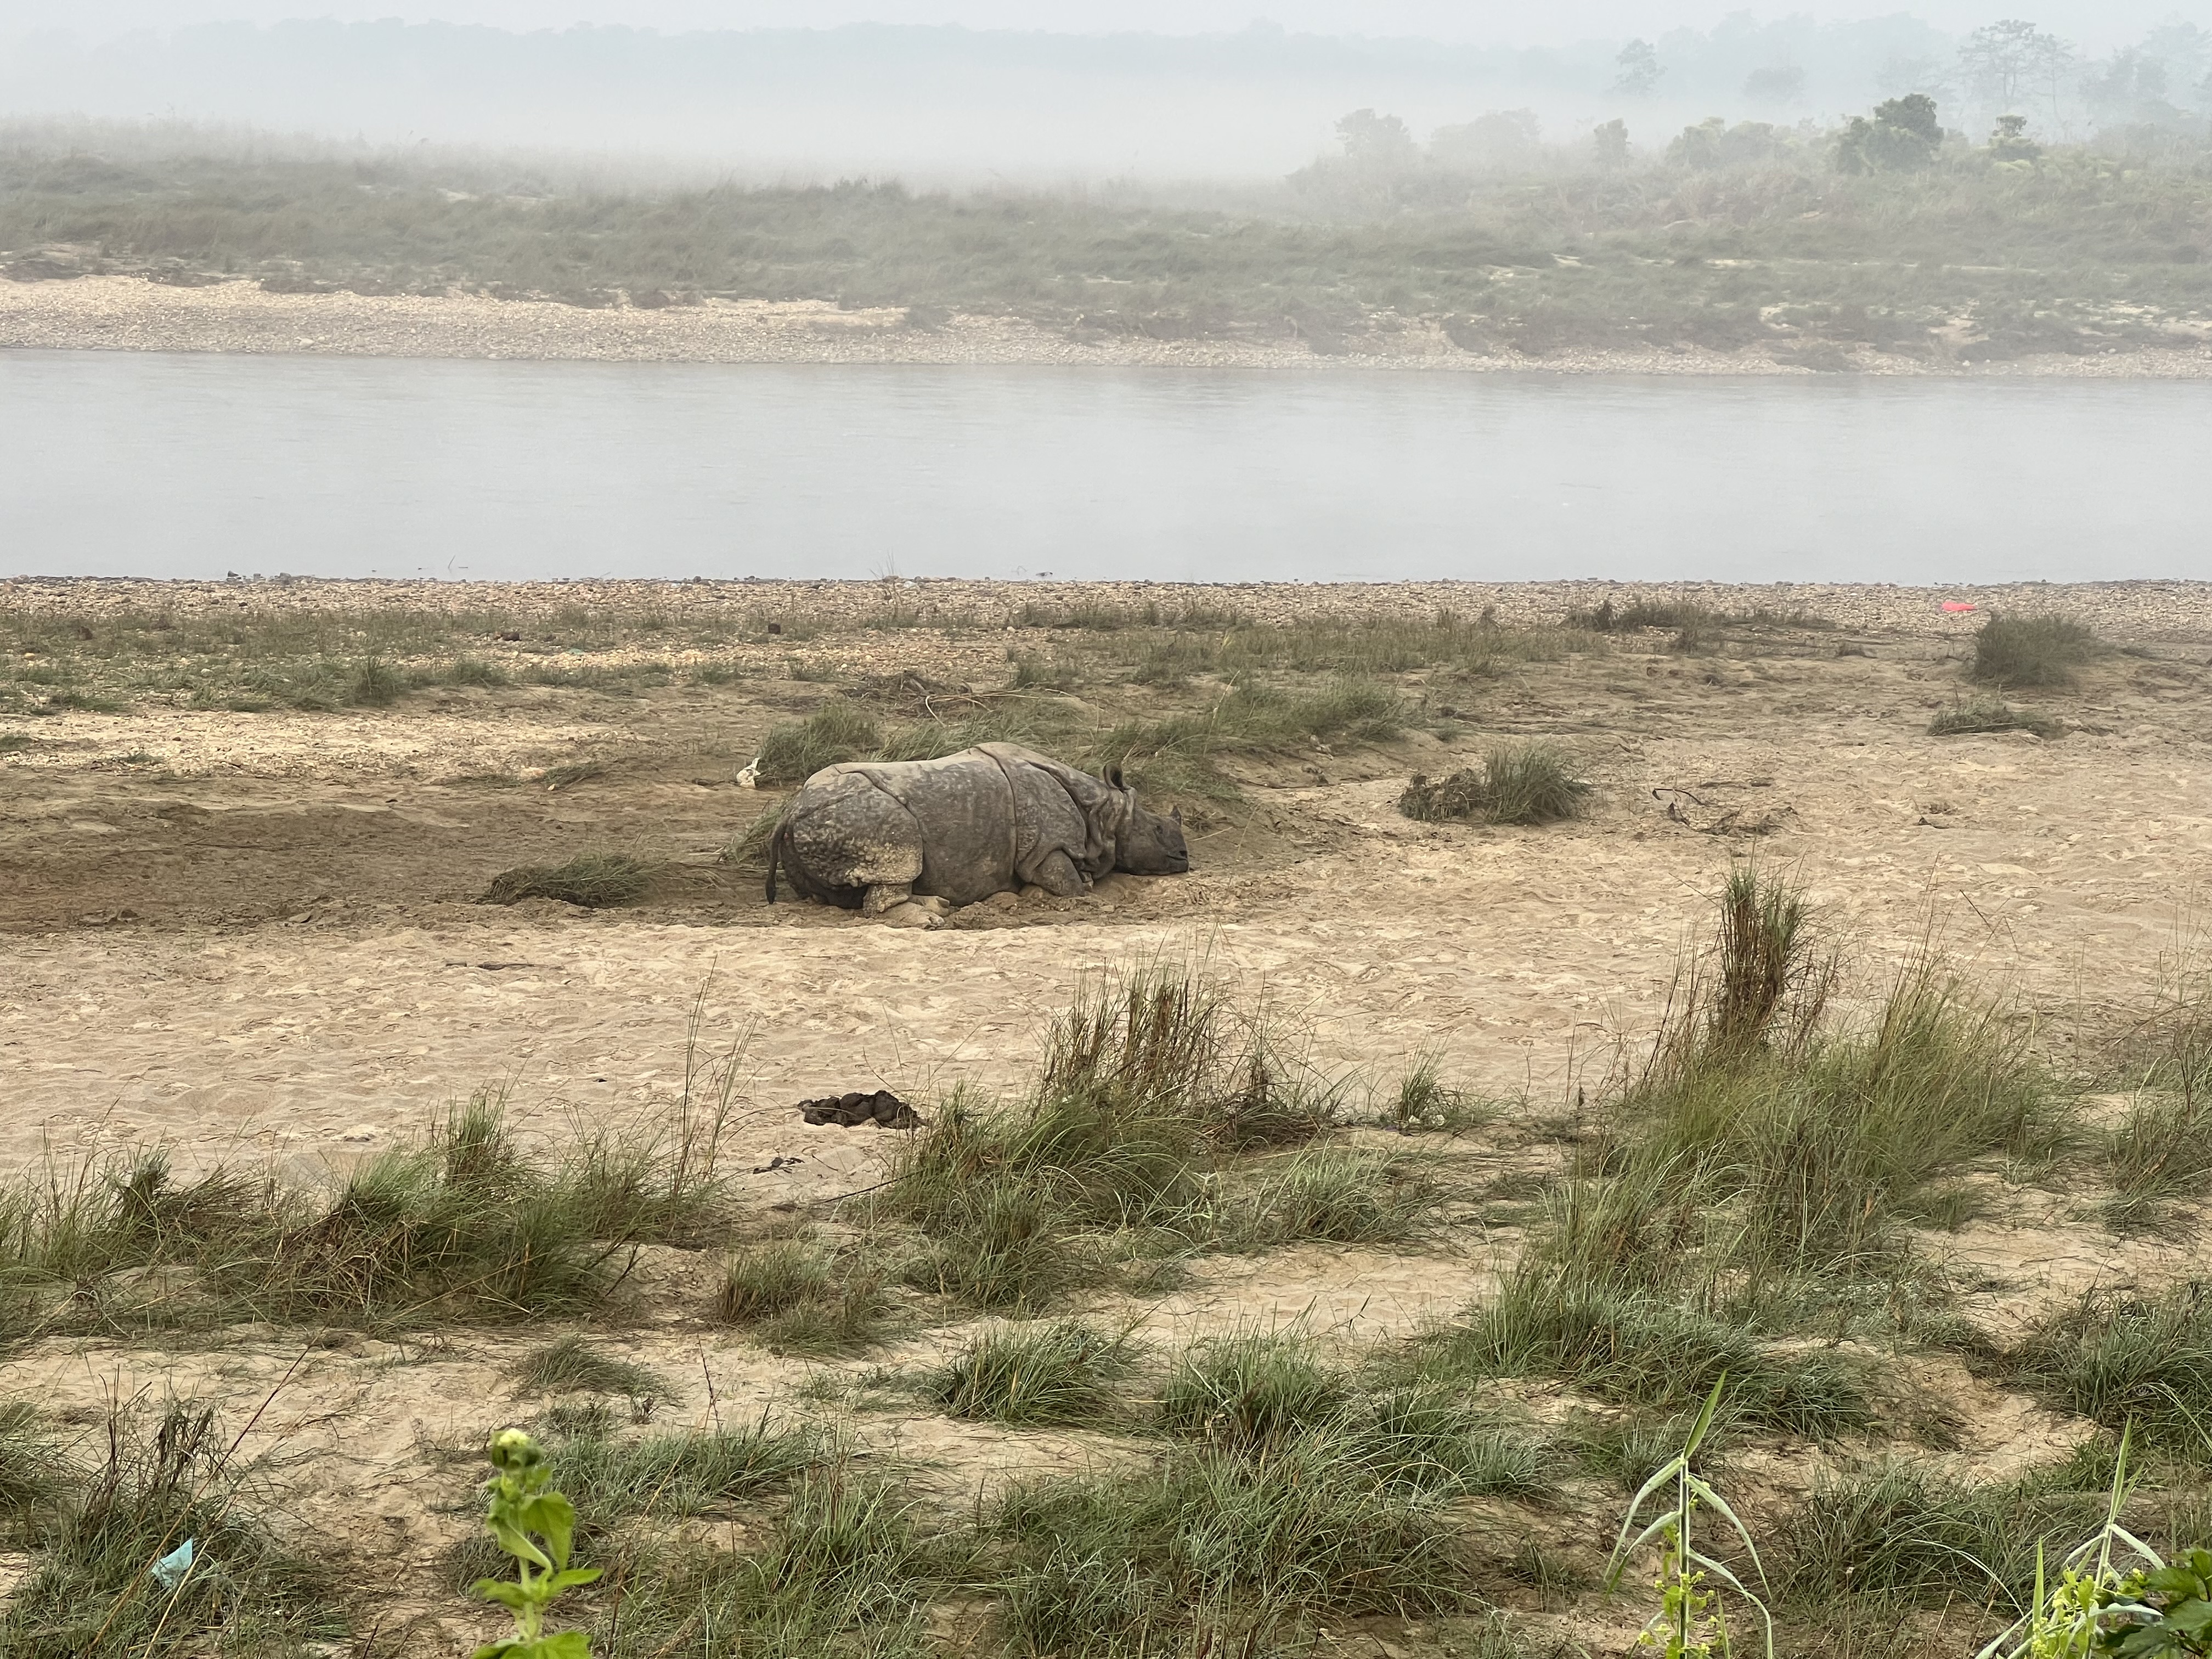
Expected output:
(1150, 845)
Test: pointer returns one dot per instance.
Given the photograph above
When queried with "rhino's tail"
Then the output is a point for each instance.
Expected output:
(775, 851)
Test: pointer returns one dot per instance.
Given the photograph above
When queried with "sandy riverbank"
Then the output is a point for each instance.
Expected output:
(130, 313)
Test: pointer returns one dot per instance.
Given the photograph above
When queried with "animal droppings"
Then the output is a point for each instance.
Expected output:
(883, 1109)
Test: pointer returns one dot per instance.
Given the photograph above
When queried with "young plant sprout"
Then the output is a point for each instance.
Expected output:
(520, 1506)
(1690, 1624)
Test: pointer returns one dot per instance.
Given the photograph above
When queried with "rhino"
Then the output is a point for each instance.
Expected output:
(873, 835)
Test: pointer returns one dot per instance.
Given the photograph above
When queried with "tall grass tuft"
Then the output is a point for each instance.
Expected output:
(1214, 1548)
(570, 1365)
(1979, 714)
(842, 1569)
(1342, 1196)
(1637, 1347)
(2032, 651)
(464, 1224)
(1148, 1081)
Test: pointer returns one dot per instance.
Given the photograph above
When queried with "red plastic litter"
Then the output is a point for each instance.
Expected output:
(1956, 604)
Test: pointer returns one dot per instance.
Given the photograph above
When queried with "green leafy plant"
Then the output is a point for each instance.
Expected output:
(1690, 1623)
(2097, 1607)
(522, 1507)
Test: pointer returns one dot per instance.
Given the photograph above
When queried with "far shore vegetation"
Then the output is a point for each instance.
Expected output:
(1899, 231)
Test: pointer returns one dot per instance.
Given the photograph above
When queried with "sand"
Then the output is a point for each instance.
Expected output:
(117, 312)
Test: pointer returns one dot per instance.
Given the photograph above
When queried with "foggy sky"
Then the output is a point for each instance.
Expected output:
(975, 91)
(2096, 24)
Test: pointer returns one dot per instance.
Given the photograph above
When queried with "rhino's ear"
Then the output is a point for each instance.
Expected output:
(1114, 777)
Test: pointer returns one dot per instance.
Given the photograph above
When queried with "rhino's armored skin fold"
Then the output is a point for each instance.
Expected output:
(872, 834)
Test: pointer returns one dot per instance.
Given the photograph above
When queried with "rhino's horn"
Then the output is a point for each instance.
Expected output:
(1176, 815)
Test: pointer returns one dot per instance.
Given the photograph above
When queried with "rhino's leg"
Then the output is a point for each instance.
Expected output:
(885, 896)
(1057, 874)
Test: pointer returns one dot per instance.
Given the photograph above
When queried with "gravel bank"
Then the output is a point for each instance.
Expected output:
(130, 314)
(2175, 611)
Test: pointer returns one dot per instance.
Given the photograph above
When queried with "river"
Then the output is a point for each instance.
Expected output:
(150, 465)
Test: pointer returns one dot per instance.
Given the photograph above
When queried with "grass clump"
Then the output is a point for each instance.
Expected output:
(1182, 753)
(1894, 1532)
(1978, 715)
(2117, 1357)
(2031, 651)
(570, 1365)
(463, 1225)
(1758, 1139)
(798, 1298)
(592, 880)
(31, 1466)
(1519, 783)
(164, 1480)
(693, 1472)
(1148, 1083)
(1250, 1391)
(1214, 1549)
(1064, 1372)
(794, 750)
(1344, 1195)
(843, 1570)
(1639, 1348)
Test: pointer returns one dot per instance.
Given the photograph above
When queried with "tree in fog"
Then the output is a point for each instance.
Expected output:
(1497, 138)
(1610, 142)
(2131, 86)
(1378, 141)
(1903, 135)
(1639, 64)
(1784, 85)
(2009, 141)
(1899, 76)
(2008, 63)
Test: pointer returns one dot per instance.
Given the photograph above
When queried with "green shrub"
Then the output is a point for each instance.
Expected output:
(593, 880)
(2011, 651)
(1060, 1373)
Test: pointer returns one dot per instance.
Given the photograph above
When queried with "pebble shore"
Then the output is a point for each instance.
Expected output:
(2173, 611)
(130, 314)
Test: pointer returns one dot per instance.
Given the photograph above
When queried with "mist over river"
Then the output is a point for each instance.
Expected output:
(174, 465)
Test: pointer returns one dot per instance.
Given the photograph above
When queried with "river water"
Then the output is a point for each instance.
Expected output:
(148, 464)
